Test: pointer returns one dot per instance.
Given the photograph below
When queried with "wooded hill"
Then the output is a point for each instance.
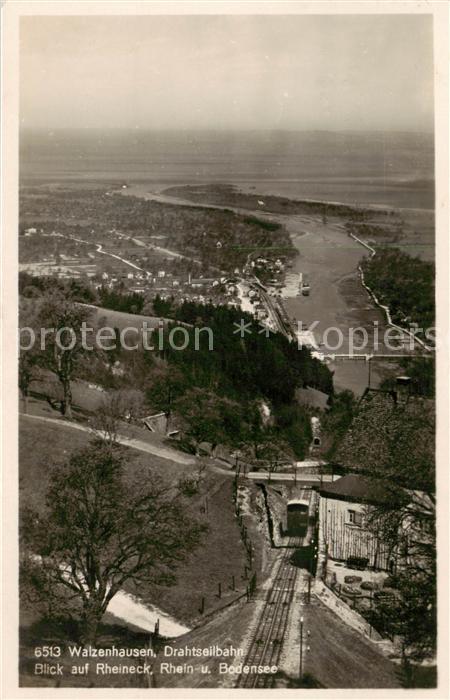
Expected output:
(404, 284)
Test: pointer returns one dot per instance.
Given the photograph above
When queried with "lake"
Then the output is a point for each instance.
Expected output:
(394, 169)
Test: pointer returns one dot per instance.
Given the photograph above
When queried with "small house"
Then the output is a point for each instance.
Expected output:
(159, 423)
(345, 506)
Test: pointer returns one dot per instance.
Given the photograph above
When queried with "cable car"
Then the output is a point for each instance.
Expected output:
(297, 517)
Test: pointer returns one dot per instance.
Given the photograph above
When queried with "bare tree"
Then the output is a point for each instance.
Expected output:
(61, 321)
(28, 366)
(28, 373)
(193, 483)
(122, 405)
(272, 452)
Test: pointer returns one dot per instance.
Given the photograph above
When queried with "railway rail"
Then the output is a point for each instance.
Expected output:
(265, 647)
(267, 641)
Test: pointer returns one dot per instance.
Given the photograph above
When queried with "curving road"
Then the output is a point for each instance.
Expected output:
(163, 452)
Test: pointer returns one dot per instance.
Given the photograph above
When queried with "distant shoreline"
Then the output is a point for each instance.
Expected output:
(356, 205)
(303, 200)
(145, 186)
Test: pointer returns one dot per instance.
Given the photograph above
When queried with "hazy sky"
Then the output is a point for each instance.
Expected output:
(260, 72)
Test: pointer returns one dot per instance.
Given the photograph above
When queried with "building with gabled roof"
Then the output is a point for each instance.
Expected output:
(344, 509)
(356, 488)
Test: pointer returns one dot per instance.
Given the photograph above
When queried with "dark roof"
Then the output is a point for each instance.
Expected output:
(379, 414)
(356, 488)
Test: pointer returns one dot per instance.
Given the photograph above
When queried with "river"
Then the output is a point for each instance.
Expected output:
(329, 257)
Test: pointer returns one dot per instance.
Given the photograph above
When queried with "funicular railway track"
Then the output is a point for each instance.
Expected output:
(267, 641)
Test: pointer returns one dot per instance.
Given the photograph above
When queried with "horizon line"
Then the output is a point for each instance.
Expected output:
(225, 130)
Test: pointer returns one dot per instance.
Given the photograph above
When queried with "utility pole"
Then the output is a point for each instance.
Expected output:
(301, 648)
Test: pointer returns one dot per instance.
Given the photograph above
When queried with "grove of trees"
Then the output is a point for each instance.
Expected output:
(403, 283)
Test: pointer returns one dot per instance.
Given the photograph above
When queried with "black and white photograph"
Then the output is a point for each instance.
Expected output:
(228, 368)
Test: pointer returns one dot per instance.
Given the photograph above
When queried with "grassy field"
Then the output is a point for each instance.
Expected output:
(41, 445)
(221, 557)
(342, 658)
(121, 320)
(222, 554)
(86, 398)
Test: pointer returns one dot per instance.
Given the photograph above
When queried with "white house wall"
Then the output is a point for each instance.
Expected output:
(344, 540)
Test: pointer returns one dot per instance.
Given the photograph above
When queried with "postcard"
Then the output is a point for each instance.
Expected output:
(225, 346)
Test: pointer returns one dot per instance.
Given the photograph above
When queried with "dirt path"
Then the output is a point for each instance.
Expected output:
(99, 247)
(163, 452)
